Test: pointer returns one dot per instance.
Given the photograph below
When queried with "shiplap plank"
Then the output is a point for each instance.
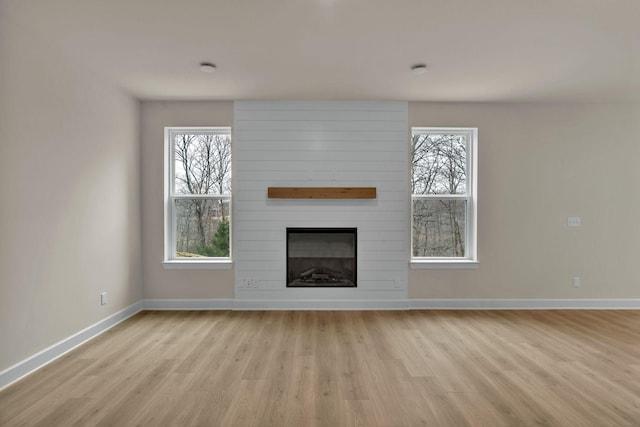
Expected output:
(260, 137)
(252, 265)
(319, 146)
(338, 164)
(277, 215)
(389, 128)
(247, 237)
(258, 106)
(397, 178)
(261, 255)
(362, 225)
(381, 265)
(325, 156)
(305, 205)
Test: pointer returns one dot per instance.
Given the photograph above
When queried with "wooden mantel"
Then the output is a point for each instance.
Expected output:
(321, 192)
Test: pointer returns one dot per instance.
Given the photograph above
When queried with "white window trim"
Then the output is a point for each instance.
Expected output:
(471, 229)
(170, 261)
(439, 263)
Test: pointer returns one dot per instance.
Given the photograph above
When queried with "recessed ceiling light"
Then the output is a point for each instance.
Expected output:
(207, 67)
(418, 68)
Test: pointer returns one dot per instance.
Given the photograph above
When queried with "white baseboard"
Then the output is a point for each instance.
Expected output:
(188, 304)
(523, 304)
(321, 304)
(396, 304)
(272, 304)
(48, 355)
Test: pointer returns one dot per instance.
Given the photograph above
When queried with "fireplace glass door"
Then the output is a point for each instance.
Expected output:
(321, 257)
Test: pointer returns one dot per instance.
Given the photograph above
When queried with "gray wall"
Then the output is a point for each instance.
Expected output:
(69, 195)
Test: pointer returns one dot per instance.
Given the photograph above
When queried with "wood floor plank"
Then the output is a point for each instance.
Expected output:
(360, 368)
(301, 394)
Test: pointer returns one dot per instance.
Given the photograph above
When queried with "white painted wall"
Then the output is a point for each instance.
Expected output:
(69, 195)
(342, 144)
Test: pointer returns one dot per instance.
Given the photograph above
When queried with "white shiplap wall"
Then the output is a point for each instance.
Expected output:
(317, 144)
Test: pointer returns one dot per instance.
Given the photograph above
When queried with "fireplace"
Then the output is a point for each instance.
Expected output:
(321, 257)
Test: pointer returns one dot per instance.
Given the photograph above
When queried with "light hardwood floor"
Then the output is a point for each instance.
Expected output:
(370, 368)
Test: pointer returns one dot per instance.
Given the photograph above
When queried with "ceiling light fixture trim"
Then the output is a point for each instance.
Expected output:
(418, 68)
(207, 67)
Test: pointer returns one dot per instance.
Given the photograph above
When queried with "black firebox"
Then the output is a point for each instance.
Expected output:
(321, 257)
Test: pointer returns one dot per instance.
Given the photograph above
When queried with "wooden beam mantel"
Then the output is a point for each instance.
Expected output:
(321, 192)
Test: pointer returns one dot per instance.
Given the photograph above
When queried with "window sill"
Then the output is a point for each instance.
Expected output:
(465, 264)
(209, 264)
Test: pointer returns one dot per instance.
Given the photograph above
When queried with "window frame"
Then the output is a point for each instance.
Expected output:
(470, 260)
(170, 260)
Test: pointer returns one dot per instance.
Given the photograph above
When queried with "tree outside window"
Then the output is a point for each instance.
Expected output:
(200, 192)
(442, 193)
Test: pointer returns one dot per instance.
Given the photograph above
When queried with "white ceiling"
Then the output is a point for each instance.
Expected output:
(490, 50)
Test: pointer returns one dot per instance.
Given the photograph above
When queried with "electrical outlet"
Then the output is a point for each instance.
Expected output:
(573, 221)
(250, 283)
(576, 282)
(103, 298)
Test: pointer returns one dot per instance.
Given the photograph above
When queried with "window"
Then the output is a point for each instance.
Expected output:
(443, 196)
(197, 196)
